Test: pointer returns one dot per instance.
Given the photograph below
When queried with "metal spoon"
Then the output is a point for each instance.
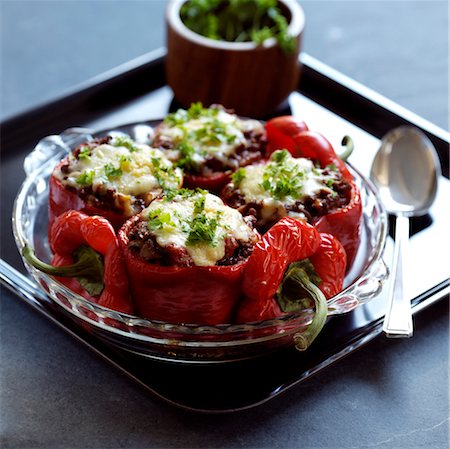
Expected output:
(405, 170)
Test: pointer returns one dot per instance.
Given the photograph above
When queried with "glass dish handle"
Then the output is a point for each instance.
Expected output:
(366, 288)
(49, 146)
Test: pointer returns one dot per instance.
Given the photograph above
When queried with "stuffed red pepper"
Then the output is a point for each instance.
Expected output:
(286, 186)
(114, 177)
(343, 221)
(185, 256)
(210, 143)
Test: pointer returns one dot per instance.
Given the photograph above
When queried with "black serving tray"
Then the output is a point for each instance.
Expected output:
(329, 102)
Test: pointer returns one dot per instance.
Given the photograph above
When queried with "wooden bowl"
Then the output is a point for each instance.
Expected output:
(253, 80)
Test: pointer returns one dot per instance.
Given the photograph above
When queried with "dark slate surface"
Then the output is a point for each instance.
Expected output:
(390, 394)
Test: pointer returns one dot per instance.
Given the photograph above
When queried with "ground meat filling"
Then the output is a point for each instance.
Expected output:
(141, 241)
(110, 200)
(245, 154)
(235, 252)
(323, 203)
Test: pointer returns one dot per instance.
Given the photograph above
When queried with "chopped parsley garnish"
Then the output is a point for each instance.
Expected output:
(124, 158)
(86, 178)
(157, 219)
(196, 111)
(203, 230)
(199, 226)
(111, 171)
(181, 193)
(280, 156)
(282, 178)
(199, 204)
(238, 176)
(212, 133)
(84, 153)
(203, 227)
(219, 130)
(165, 174)
(187, 156)
(127, 142)
(201, 132)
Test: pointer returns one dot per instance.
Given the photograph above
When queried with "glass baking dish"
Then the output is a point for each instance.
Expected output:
(175, 342)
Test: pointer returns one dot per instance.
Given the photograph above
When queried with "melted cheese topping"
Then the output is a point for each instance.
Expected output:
(211, 136)
(128, 171)
(299, 172)
(179, 216)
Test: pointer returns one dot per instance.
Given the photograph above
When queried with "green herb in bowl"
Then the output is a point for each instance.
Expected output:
(239, 21)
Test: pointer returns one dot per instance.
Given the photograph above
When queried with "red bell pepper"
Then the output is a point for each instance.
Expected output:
(280, 130)
(196, 295)
(87, 259)
(287, 241)
(62, 199)
(330, 262)
(213, 183)
(344, 223)
(283, 273)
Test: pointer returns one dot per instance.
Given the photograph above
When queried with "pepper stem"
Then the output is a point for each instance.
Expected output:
(296, 292)
(349, 145)
(87, 269)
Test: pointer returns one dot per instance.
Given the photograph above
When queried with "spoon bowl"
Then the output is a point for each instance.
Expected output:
(406, 171)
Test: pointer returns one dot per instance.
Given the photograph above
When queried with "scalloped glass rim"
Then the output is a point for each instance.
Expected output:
(32, 198)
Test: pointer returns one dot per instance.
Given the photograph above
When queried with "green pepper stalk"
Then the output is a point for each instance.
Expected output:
(99, 272)
(88, 268)
(298, 288)
(349, 145)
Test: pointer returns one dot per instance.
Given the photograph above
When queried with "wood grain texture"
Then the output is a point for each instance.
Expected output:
(253, 81)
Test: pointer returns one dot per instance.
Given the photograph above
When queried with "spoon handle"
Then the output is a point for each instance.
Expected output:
(398, 319)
